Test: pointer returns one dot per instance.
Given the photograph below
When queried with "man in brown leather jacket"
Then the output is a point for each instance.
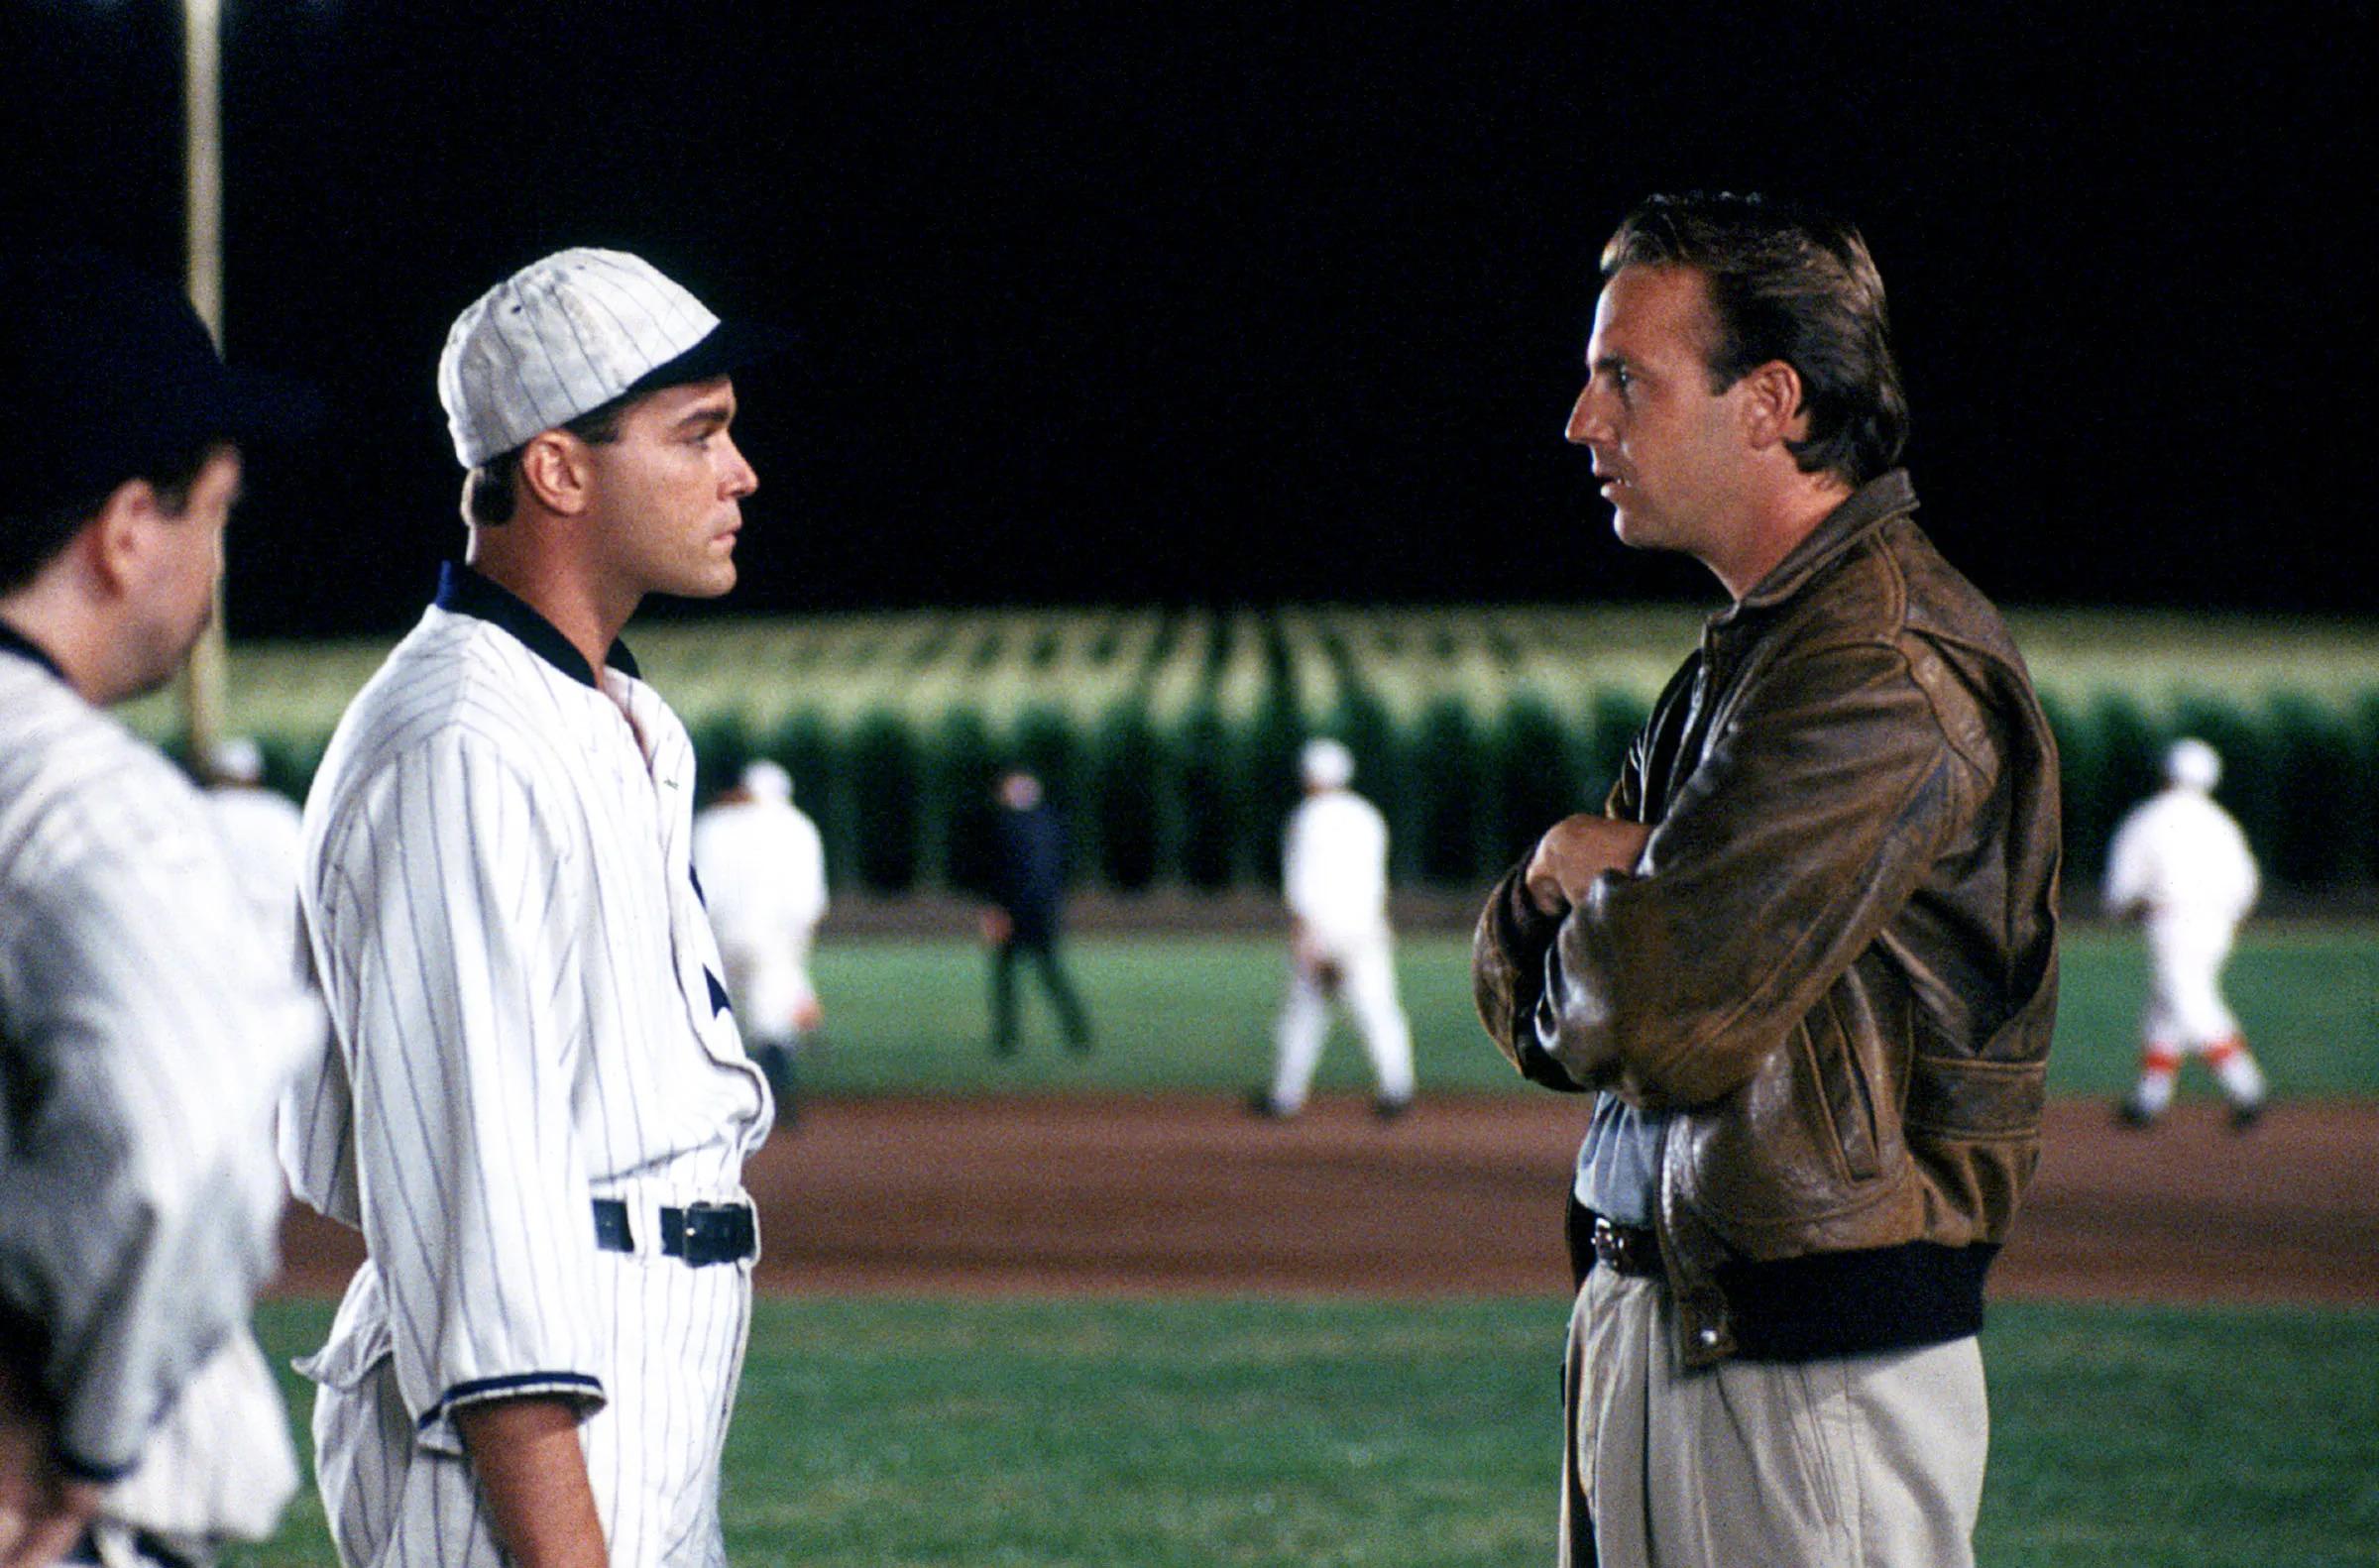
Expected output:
(1807, 956)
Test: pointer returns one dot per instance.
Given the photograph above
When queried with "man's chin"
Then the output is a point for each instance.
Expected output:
(1636, 532)
(715, 580)
(150, 678)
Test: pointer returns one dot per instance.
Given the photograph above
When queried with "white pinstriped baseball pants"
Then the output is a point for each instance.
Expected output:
(678, 1337)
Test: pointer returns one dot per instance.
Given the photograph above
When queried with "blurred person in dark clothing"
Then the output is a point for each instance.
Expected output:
(1028, 894)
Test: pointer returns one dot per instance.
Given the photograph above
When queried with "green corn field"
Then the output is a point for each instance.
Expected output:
(1170, 735)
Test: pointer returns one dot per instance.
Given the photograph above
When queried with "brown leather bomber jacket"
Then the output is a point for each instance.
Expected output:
(1835, 970)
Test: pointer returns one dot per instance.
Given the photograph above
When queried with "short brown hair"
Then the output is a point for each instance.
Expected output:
(491, 490)
(1787, 283)
(29, 542)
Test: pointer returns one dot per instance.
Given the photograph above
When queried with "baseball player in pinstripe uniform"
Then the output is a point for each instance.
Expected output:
(265, 838)
(537, 1108)
(145, 1031)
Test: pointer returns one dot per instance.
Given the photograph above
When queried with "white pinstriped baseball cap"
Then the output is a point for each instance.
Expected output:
(569, 334)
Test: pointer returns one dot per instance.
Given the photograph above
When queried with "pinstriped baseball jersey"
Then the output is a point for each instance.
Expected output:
(145, 1033)
(529, 1017)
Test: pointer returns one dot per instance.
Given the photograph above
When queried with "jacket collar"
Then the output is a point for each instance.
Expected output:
(1888, 494)
(468, 592)
(14, 641)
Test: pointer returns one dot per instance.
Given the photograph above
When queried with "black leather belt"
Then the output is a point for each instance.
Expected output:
(1627, 1250)
(1595, 1242)
(703, 1234)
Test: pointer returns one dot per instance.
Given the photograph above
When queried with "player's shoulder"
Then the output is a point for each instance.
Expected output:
(454, 680)
(77, 781)
(252, 805)
(457, 693)
(1346, 806)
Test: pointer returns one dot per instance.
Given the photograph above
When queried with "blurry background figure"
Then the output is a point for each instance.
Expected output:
(2179, 865)
(264, 834)
(1028, 891)
(145, 1030)
(764, 878)
(1334, 876)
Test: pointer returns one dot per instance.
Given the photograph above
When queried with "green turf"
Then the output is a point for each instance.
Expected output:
(1196, 1013)
(1160, 1433)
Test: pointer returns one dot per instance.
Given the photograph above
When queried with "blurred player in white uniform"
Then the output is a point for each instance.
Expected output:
(2180, 865)
(265, 833)
(764, 876)
(538, 1110)
(1334, 879)
(145, 1032)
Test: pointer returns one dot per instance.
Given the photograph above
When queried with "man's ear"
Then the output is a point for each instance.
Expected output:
(1773, 407)
(554, 469)
(120, 539)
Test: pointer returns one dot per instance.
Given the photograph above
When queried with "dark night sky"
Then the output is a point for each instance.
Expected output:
(1257, 303)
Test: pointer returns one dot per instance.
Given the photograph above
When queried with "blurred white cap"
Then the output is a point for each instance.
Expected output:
(1326, 764)
(2193, 764)
(238, 758)
(768, 781)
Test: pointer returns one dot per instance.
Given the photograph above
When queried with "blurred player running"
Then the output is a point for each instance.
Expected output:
(2179, 865)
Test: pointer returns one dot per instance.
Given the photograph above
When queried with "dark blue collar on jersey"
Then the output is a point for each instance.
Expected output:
(14, 641)
(467, 593)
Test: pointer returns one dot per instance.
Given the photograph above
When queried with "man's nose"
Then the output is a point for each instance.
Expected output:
(1586, 423)
(738, 479)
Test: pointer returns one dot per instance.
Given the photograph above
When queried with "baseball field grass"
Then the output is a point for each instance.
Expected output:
(1169, 1432)
(1197, 1433)
(1196, 1012)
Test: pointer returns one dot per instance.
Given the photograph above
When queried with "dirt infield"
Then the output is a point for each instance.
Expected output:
(1046, 1195)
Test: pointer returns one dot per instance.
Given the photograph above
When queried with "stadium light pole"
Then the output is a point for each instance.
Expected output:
(203, 188)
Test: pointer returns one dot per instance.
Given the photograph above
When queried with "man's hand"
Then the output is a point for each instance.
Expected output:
(533, 1474)
(41, 1514)
(997, 928)
(808, 1013)
(1575, 851)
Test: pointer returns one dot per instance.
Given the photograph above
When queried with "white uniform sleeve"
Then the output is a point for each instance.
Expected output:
(147, 1037)
(1300, 863)
(808, 877)
(2131, 862)
(445, 932)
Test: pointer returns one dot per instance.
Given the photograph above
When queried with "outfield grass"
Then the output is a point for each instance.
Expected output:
(1185, 1434)
(1196, 1012)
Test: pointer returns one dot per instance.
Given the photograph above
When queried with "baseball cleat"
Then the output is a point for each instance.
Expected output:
(1262, 1105)
(2130, 1113)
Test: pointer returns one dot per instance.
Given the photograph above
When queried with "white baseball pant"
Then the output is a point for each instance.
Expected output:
(1367, 984)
